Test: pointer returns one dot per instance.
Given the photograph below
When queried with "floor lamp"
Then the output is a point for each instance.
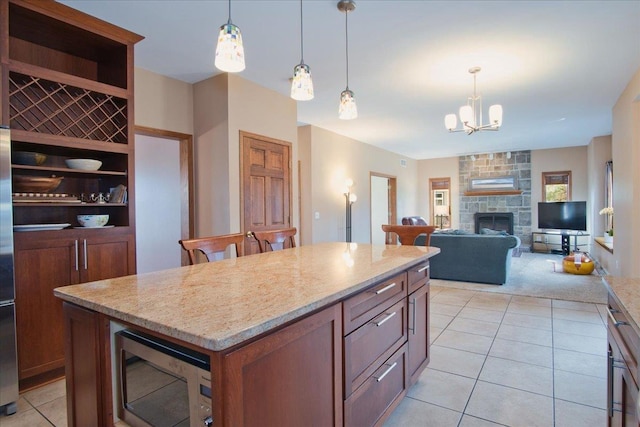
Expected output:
(349, 198)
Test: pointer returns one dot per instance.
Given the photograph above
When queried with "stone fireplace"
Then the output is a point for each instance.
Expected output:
(516, 204)
(499, 221)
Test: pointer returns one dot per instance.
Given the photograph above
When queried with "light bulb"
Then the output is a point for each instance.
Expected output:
(495, 115)
(450, 121)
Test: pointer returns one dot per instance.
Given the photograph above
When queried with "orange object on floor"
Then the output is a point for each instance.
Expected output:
(584, 266)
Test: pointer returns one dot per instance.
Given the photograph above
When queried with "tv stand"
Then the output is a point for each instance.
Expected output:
(559, 242)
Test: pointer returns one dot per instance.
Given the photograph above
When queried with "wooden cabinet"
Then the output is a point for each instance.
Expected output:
(348, 364)
(622, 396)
(418, 334)
(289, 378)
(67, 93)
(44, 261)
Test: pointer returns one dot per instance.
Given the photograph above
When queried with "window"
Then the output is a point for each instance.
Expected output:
(556, 186)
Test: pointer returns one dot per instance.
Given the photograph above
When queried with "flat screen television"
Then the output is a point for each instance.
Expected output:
(562, 216)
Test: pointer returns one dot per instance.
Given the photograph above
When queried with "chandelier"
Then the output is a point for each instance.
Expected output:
(471, 114)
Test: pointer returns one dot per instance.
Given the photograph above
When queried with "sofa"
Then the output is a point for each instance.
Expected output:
(483, 258)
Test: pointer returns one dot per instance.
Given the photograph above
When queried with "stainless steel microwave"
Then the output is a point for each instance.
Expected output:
(161, 383)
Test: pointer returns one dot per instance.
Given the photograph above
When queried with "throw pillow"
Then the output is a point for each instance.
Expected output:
(494, 232)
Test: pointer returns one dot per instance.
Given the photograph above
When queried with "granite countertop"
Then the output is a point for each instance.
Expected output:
(627, 292)
(220, 304)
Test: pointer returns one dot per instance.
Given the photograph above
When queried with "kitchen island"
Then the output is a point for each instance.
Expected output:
(303, 336)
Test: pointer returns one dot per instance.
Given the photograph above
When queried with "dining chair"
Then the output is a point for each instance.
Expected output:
(407, 233)
(275, 239)
(212, 245)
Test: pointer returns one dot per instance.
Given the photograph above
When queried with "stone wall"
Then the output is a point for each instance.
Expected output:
(483, 166)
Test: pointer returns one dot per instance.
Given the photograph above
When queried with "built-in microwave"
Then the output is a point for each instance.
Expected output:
(161, 383)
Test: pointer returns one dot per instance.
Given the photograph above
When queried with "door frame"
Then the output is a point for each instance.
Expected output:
(432, 188)
(187, 198)
(242, 136)
(392, 239)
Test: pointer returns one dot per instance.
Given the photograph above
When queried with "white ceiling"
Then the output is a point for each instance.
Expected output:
(557, 67)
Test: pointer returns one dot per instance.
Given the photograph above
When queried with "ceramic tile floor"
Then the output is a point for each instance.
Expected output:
(496, 360)
(506, 360)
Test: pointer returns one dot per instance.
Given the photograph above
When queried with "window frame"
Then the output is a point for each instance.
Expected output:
(567, 174)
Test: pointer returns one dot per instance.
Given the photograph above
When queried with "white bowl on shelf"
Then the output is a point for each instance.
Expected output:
(93, 221)
(84, 164)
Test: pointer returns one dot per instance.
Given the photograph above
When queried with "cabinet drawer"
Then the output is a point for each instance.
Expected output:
(380, 393)
(418, 276)
(624, 335)
(361, 308)
(373, 342)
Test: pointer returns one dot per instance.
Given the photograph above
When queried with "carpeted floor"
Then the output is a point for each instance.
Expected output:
(532, 274)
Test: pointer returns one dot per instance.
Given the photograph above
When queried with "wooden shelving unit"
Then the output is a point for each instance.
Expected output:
(67, 92)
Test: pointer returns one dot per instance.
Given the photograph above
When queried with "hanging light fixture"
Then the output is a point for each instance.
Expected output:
(471, 114)
(230, 51)
(302, 85)
(348, 109)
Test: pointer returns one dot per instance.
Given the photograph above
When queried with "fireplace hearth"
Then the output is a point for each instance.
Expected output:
(499, 221)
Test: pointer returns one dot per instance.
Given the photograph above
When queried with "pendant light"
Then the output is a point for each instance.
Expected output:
(302, 85)
(348, 109)
(230, 51)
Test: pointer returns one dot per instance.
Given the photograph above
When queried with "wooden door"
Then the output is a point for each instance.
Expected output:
(41, 264)
(266, 185)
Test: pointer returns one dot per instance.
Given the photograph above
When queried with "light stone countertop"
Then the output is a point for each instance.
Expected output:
(627, 292)
(219, 304)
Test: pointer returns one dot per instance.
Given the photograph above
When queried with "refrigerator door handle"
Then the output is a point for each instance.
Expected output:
(77, 266)
(84, 246)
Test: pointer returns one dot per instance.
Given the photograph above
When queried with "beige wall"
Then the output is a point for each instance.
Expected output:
(163, 103)
(225, 105)
(327, 160)
(560, 159)
(626, 179)
(598, 153)
(211, 155)
(439, 168)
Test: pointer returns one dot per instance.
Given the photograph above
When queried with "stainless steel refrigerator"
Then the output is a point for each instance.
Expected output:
(8, 354)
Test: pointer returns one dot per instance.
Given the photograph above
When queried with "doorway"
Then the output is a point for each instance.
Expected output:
(164, 183)
(383, 207)
(265, 164)
(440, 202)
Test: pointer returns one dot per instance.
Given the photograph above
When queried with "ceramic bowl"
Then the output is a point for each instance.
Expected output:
(35, 184)
(83, 164)
(28, 158)
(93, 221)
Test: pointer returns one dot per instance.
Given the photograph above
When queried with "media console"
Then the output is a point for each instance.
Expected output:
(558, 242)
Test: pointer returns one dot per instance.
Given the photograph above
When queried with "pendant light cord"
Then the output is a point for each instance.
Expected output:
(229, 20)
(301, 36)
(346, 32)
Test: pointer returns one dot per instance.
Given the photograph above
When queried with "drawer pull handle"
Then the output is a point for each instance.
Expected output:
(384, 374)
(413, 315)
(84, 244)
(380, 323)
(616, 322)
(426, 267)
(77, 266)
(385, 289)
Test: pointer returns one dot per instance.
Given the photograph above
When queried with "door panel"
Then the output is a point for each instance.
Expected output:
(266, 188)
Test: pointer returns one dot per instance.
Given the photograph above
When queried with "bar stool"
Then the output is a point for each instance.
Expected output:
(210, 246)
(407, 234)
(275, 239)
